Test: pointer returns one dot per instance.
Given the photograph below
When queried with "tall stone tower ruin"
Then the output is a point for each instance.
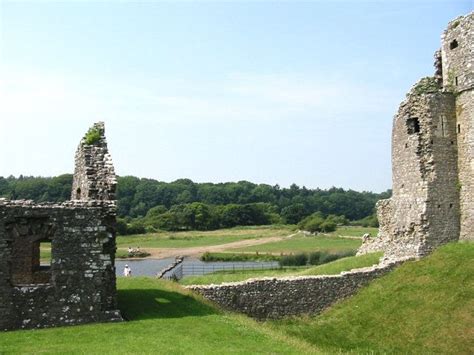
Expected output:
(457, 53)
(94, 175)
(433, 155)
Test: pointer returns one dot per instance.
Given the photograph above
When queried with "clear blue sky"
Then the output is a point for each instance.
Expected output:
(271, 92)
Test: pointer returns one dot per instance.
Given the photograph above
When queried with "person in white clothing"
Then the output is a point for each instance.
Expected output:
(127, 272)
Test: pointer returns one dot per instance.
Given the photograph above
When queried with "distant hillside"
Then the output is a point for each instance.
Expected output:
(423, 307)
(137, 196)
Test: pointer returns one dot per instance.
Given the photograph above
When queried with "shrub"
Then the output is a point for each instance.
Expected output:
(136, 227)
(317, 223)
(294, 260)
(314, 257)
(121, 226)
(369, 221)
(92, 136)
(328, 226)
(326, 258)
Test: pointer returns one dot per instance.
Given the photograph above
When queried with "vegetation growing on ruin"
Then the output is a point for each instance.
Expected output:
(426, 85)
(451, 83)
(92, 136)
(432, 312)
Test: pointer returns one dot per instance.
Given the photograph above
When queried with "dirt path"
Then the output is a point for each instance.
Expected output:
(161, 253)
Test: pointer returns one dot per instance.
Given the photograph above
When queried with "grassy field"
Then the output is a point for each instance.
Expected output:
(331, 268)
(423, 307)
(199, 238)
(302, 243)
(163, 319)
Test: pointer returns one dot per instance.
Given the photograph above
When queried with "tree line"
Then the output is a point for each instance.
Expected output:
(183, 204)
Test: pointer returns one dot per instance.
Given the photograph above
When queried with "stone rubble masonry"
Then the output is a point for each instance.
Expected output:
(457, 52)
(273, 298)
(79, 285)
(94, 175)
(433, 156)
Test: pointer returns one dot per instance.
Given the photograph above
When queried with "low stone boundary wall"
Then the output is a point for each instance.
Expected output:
(272, 298)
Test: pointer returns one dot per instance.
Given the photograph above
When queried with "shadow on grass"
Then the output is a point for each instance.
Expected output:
(140, 304)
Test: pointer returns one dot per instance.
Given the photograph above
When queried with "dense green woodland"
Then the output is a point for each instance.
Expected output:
(182, 204)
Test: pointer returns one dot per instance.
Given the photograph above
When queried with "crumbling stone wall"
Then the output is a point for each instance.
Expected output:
(94, 175)
(79, 284)
(458, 76)
(432, 153)
(465, 142)
(418, 217)
(272, 298)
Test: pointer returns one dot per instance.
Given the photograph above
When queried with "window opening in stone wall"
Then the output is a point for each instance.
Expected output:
(45, 255)
(31, 250)
(453, 44)
(413, 125)
(456, 81)
(450, 205)
(459, 128)
(78, 192)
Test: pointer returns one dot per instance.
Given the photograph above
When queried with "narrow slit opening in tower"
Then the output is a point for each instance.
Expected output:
(459, 128)
(456, 81)
(78, 192)
(453, 44)
(413, 125)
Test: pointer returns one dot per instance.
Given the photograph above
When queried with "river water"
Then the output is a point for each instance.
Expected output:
(150, 267)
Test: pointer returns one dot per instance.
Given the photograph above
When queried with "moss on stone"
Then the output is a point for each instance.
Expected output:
(426, 85)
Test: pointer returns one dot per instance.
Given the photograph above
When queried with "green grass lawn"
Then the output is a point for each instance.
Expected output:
(423, 307)
(302, 243)
(163, 319)
(199, 238)
(331, 268)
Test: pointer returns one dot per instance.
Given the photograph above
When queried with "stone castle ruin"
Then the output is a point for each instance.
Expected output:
(78, 285)
(433, 156)
(433, 190)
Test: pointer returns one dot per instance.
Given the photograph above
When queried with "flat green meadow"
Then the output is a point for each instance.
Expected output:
(331, 268)
(201, 238)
